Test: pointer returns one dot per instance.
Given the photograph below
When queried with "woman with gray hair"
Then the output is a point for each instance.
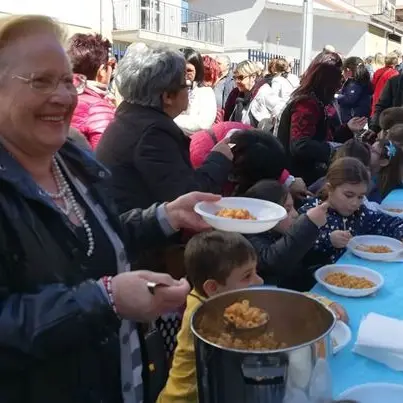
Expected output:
(147, 153)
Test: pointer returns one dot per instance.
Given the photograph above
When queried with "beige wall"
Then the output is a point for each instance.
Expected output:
(375, 41)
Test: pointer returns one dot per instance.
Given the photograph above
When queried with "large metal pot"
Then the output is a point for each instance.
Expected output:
(298, 373)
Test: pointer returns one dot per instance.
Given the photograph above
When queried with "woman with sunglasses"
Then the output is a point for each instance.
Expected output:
(252, 100)
(93, 68)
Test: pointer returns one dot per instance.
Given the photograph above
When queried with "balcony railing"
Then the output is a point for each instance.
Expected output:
(167, 19)
(386, 8)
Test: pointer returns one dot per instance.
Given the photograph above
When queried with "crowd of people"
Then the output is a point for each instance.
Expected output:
(101, 165)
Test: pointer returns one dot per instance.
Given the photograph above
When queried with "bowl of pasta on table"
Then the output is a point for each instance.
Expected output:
(241, 214)
(349, 280)
(375, 247)
(394, 209)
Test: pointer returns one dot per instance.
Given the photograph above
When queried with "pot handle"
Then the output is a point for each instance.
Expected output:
(267, 370)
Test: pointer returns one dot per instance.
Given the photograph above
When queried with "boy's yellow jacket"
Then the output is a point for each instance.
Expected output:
(182, 382)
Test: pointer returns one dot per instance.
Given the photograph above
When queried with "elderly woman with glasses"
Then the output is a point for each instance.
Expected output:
(89, 55)
(253, 99)
(68, 300)
(147, 153)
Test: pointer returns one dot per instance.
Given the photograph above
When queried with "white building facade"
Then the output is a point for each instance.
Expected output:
(275, 26)
(126, 21)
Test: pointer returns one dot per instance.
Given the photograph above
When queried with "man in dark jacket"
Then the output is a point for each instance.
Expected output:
(225, 83)
(392, 95)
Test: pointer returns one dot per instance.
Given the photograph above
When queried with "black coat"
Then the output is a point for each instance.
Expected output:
(391, 96)
(148, 155)
(58, 334)
(280, 257)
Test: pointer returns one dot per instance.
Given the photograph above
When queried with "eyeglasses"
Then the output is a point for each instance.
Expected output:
(241, 77)
(47, 84)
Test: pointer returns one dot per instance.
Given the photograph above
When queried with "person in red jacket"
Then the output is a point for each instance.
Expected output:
(381, 76)
(89, 55)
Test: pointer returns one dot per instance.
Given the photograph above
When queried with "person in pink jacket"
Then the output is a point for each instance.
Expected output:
(89, 55)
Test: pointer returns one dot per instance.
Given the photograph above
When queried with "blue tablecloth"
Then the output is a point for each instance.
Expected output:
(349, 369)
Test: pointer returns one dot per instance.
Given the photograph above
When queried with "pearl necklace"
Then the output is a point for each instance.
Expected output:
(66, 194)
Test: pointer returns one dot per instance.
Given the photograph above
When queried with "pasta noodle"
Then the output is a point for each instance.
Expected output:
(344, 280)
(235, 213)
(374, 248)
(242, 316)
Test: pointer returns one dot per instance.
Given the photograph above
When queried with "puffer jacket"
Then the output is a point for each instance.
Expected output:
(354, 100)
(93, 114)
(59, 337)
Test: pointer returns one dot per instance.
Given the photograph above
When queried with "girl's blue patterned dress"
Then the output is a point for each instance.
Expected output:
(362, 222)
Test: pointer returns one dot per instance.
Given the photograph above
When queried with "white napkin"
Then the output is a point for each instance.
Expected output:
(381, 339)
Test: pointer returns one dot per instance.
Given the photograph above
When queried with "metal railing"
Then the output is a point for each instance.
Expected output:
(167, 19)
(265, 57)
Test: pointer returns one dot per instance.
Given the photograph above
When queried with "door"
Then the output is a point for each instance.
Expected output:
(151, 15)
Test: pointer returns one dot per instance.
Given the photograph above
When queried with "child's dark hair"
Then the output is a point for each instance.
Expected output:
(390, 176)
(390, 117)
(355, 149)
(357, 67)
(214, 255)
(395, 134)
(347, 170)
(269, 190)
(257, 155)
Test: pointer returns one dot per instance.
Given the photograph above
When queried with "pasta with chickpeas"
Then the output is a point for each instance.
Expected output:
(244, 316)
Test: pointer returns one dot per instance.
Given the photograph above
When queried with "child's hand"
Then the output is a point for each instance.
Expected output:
(340, 312)
(318, 214)
(339, 239)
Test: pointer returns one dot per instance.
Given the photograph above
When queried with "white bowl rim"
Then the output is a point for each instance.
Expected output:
(203, 213)
(347, 331)
(365, 269)
(369, 384)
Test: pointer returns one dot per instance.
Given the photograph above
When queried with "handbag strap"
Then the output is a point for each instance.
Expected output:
(212, 136)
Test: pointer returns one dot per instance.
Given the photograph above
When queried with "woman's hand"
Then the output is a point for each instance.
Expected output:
(356, 124)
(299, 190)
(339, 239)
(134, 301)
(181, 214)
(340, 312)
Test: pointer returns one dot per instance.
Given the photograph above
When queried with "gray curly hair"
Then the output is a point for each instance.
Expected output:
(145, 73)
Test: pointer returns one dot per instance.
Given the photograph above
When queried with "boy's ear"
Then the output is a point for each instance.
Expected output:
(210, 287)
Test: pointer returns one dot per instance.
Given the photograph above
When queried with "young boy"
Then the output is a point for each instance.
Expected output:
(215, 262)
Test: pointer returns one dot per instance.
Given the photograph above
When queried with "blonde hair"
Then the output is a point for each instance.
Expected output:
(246, 68)
(391, 59)
(15, 27)
(281, 66)
(379, 59)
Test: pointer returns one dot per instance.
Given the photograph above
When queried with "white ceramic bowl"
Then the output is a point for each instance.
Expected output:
(374, 393)
(352, 270)
(340, 335)
(392, 205)
(392, 243)
(267, 214)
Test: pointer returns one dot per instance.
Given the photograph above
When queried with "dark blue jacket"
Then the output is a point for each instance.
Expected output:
(280, 255)
(354, 100)
(362, 222)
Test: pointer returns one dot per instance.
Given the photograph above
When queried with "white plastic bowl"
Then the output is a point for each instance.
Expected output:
(374, 393)
(352, 270)
(341, 335)
(391, 205)
(267, 214)
(392, 243)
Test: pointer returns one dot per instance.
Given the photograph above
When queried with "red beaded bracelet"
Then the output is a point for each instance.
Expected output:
(107, 282)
